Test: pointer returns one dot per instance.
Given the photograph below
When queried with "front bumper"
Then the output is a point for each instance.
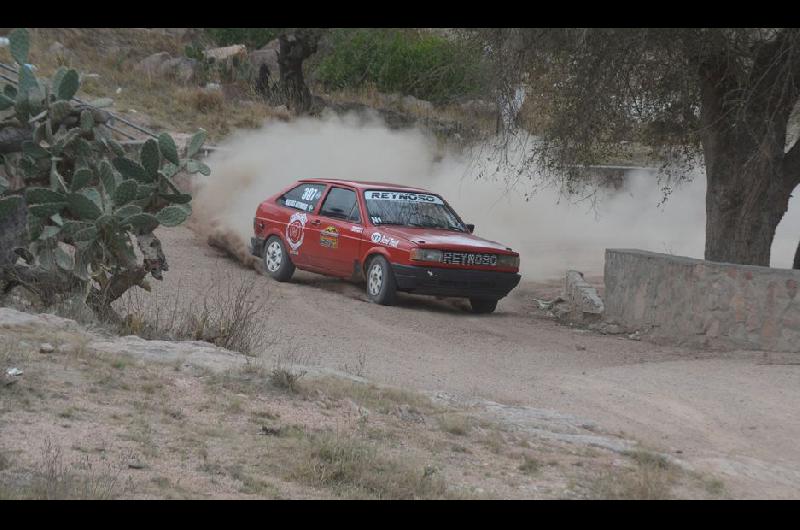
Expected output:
(455, 282)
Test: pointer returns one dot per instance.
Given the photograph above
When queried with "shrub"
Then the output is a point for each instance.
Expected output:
(77, 197)
(421, 64)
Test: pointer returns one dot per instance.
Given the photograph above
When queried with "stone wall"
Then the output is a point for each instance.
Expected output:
(695, 301)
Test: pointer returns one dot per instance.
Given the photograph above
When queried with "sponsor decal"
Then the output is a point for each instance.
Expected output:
(297, 204)
(357, 229)
(380, 195)
(329, 237)
(383, 239)
(469, 258)
(295, 231)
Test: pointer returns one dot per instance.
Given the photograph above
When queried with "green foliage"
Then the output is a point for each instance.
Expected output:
(253, 38)
(20, 45)
(85, 195)
(425, 65)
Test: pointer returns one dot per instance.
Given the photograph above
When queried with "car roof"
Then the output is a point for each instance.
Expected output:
(364, 185)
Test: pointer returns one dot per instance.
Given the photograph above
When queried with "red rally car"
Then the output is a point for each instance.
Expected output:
(397, 238)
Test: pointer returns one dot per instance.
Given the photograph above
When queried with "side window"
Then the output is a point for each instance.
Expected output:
(341, 204)
(304, 197)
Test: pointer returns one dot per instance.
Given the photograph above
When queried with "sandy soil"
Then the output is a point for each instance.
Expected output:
(733, 414)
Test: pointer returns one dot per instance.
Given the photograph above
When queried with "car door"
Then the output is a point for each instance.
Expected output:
(298, 230)
(340, 231)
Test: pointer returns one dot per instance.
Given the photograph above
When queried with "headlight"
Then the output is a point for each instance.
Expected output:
(426, 254)
(505, 260)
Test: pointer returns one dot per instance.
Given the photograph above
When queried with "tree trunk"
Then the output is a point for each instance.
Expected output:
(295, 48)
(749, 175)
(796, 264)
(743, 209)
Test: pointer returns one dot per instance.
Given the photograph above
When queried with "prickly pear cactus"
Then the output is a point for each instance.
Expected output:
(86, 198)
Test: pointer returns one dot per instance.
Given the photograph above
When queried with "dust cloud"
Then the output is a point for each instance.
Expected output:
(550, 232)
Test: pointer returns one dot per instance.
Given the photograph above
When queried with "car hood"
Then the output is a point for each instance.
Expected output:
(443, 239)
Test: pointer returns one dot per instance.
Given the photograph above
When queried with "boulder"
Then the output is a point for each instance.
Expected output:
(182, 69)
(150, 64)
(261, 57)
(267, 55)
(585, 304)
(410, 103)
(225, 53)
(62, 54)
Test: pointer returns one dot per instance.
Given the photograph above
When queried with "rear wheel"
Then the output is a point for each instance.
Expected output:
(276, 260)
(381, 286)
(483, 305)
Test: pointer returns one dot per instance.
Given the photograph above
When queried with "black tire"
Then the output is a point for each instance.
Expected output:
(482, 305)
(381, 285)
(276, 260)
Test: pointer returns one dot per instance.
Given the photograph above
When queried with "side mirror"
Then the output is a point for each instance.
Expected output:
(470, 228)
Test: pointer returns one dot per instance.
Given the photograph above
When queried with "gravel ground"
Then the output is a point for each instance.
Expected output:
(733, 414)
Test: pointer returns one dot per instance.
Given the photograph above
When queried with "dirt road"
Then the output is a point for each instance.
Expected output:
(734, 414)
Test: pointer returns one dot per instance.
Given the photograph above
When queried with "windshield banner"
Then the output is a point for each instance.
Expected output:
(376, 195)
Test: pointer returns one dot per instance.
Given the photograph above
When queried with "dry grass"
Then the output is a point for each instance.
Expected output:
(228, 314)
(354, 468)
(530, 465)
(652, 477)
(383, 399)
(455, 423)
(201, 99)
(52, 478)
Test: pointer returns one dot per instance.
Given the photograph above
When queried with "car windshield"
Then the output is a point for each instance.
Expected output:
(423, 210)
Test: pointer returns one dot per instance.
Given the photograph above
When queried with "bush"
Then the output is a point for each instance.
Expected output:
(425, 65)
(253, 38)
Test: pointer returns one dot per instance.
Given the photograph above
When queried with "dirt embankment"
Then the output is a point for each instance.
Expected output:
(92, 416)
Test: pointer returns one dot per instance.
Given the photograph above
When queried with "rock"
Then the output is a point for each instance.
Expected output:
(46, 348)
(585, 304)
(267, 55)
(225, 53)
(411, 103)
(266, 430)
(62, 54)
(150, 64)
(610, 329)
(181, 69)
(135, 463)
(13, 319)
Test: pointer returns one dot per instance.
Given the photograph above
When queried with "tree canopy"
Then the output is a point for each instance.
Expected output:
(723, 97)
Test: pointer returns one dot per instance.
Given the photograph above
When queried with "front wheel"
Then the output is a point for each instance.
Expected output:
(482, 305)
(381, 286)
(276, 260)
